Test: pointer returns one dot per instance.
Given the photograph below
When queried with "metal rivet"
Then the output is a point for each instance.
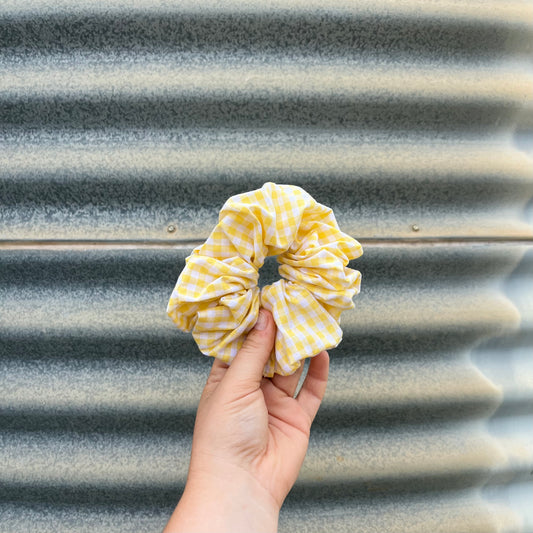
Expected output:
(415, 227)
(171, 228)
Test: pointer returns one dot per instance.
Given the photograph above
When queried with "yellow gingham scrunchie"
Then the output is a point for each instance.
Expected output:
(216, 295)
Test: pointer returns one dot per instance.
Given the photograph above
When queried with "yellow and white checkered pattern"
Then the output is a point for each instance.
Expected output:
(217, 297)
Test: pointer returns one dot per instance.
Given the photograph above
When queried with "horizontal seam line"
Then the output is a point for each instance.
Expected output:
(185, 243)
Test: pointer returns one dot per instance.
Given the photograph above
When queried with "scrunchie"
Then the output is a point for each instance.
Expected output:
(217, 296)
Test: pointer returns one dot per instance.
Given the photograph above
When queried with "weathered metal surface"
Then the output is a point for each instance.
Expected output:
(119, 122)
(93, 190)
(100, 392)
(122, 132)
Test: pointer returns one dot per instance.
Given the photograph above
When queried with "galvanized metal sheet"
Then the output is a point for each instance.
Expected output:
(122, 132)
(97, 191)
(118, 123)
(100, 392)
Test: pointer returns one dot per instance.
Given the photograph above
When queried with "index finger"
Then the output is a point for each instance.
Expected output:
(314, 386)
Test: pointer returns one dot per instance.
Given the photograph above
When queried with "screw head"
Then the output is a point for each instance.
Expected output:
(415, 227)
(171, 228)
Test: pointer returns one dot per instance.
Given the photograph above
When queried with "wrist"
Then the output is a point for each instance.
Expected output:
(228, 501)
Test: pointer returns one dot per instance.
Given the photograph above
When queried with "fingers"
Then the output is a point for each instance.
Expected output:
(248, 365)
(218, 370)
(314, 387)
(288, 384)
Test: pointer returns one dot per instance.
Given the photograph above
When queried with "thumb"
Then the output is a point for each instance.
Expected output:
(247, 366)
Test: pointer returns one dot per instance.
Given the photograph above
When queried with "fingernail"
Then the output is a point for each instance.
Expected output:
(262, 321)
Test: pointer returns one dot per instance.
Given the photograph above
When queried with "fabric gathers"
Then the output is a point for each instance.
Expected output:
(217, 297)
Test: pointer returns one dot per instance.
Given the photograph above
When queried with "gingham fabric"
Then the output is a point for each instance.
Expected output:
(217, 297)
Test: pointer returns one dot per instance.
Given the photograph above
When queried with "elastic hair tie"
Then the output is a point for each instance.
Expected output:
(217, 297)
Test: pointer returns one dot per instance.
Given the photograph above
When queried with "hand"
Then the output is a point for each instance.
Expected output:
(250, 440)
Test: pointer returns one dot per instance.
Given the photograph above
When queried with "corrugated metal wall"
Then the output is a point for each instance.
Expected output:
(122, 132)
